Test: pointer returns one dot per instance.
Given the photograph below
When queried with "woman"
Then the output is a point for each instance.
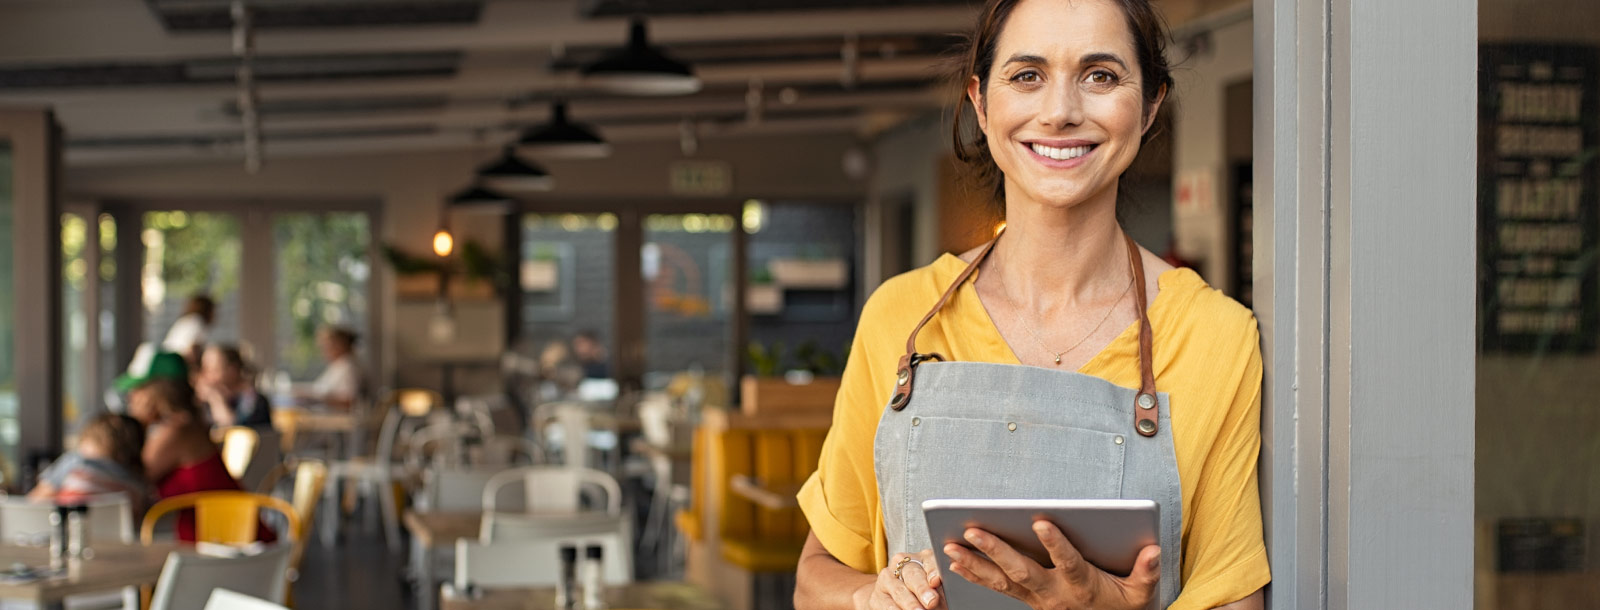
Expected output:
(107, 460)
(340, 384)
(1074, 364)
(188, 334)
(229, 394)
(179, 456)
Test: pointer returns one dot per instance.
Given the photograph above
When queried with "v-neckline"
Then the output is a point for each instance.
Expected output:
(1130, 333)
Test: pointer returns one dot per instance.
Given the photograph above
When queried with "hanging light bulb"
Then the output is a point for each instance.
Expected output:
(443, 243)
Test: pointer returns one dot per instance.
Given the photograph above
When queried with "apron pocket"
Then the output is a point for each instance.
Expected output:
(981, 458)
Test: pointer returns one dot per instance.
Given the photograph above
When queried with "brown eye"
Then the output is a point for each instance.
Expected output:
(1026, 77)
(1101, 77)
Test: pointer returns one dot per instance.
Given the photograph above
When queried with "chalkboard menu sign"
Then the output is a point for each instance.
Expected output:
(1538, 197)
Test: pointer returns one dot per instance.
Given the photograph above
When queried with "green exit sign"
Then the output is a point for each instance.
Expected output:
(700, 178)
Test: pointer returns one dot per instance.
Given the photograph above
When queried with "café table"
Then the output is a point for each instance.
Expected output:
(112, 567)
(293, 421)
(431, 531)
(640, 595)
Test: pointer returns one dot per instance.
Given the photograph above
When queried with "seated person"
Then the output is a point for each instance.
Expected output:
(340, 384)
(228, 393)
(106, 460)
(591, 354)
(179, 455)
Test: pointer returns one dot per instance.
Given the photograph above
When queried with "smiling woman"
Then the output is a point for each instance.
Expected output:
(1068, 334)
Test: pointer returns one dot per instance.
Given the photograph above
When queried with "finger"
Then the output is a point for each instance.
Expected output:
(1062, 552)
(979, 570)
(1146, 572)
(932, 561)
(881, 601)
(1017, 568)
(916, 580)
(902, 597)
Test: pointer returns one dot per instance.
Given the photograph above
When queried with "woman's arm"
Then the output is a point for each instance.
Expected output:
(823, 583)
(161, 451)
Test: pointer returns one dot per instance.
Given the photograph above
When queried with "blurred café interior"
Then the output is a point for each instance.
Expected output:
(462, 284)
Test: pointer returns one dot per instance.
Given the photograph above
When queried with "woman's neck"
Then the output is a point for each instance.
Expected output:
(1051, 258)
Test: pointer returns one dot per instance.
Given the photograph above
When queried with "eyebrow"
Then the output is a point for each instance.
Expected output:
(1091, 58)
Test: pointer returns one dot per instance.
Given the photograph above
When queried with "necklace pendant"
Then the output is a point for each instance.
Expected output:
(1058, 358)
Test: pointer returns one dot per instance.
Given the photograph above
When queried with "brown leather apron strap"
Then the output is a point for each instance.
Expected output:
(907, 370)
(1145, 411)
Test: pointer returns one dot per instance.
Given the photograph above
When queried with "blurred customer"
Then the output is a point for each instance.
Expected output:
(189, 333)
(340, 384)
(178, 455)
(228, 391)
(591, 355)
(106, 460)
(559, 372)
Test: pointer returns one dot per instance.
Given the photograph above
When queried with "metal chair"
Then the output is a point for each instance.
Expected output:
(189, 579)
(223, 517)
(406, 411)
(553, 489)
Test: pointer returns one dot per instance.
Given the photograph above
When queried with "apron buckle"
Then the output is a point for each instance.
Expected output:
(906, 375)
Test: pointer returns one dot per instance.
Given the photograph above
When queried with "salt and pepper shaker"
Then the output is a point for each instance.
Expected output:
(77, 531)
(593, 572)
(58, 537)
(566, 586)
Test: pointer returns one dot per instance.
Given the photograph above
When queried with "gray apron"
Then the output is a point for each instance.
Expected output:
(983, 430)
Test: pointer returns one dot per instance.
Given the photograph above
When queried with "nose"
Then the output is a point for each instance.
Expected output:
(1063, 105)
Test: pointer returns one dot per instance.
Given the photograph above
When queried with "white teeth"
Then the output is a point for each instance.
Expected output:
(1061, 154)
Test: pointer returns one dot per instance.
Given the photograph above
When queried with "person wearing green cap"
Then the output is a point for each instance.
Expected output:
(179, 456)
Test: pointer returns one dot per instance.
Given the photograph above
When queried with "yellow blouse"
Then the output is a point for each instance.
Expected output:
(1207, 359)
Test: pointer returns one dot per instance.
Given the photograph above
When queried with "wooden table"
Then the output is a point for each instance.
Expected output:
(113, 566)
(643, 596)
(290, 422)
(429, 532)
(776, 497)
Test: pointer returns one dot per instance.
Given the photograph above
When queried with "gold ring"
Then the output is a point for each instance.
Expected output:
(902, 563)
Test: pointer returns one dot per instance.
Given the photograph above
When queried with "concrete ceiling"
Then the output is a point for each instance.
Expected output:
(138, 80)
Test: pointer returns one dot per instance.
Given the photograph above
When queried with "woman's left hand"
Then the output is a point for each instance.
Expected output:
(1073, 583)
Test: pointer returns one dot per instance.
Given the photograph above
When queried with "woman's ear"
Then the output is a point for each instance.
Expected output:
(975, 95)
(1154, 108)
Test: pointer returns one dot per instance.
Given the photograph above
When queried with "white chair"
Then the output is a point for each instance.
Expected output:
(577, 427)
(223, 599)
(188, 579)
(458, 489)
(25, 522)
(553, 489)
(268, 455)
(408, 410)
(536, 561)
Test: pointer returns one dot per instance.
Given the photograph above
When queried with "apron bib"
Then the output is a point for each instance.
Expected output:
(982, 430)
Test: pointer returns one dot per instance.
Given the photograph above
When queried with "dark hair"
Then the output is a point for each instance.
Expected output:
(121, 436)
(173, 397)
(343, 335)
(231, 355)
(202, 305)
(977, 55)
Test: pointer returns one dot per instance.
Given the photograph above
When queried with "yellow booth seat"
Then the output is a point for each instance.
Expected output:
(755, 537)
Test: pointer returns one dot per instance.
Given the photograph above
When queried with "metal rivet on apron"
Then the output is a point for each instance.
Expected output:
(1146, 426)
(916, 421)
(904, 375)
(1146, 401)
(1118, 440)
(1012, 426)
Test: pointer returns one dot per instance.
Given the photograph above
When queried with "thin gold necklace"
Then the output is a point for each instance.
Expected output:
(1040, 341)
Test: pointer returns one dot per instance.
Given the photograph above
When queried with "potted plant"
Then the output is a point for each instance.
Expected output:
(807, 383)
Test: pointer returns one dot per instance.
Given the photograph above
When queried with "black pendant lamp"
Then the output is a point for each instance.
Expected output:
(639, 69)
(563, 138)
(511, 174)
(476, 198)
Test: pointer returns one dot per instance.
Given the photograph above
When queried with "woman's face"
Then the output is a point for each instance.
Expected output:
(1063, 111)
(142, 405)
(332, 348)
(215, 369)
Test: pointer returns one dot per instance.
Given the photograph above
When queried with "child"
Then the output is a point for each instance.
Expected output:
(106, 460)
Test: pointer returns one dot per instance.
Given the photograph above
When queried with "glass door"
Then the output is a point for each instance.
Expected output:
(322, 271)
(189, 255)
(567, 286)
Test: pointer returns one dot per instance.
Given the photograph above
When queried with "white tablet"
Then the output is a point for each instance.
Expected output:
(1108, 533)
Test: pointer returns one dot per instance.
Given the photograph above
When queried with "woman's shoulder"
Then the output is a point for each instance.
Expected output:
(1192, 310)
(917, 289)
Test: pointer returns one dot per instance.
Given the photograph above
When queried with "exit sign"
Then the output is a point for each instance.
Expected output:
(700, 178)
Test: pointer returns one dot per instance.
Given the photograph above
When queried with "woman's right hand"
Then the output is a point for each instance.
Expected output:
(917, 587)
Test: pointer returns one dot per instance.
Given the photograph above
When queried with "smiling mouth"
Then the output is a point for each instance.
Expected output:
(1061, 154)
